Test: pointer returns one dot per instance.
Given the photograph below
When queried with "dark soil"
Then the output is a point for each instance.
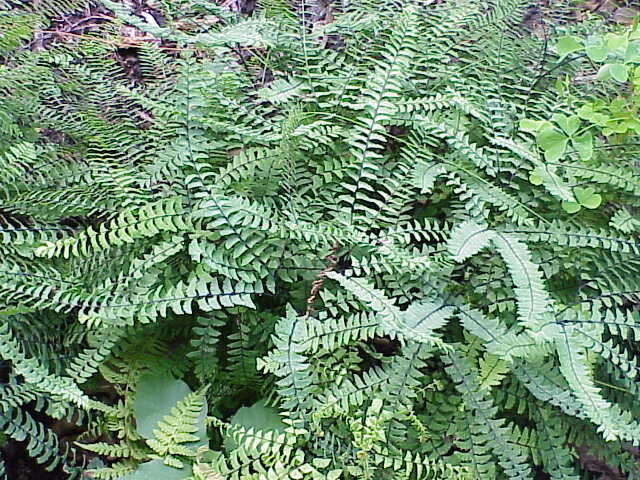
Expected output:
(20, 466)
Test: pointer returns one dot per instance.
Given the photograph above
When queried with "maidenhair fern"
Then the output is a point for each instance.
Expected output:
(326, 240)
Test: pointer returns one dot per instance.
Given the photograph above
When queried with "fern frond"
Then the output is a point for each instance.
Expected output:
(484, 428)
(417, 322)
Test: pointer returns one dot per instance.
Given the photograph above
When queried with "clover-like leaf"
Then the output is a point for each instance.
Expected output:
(604, 72)
(590, 113)
(553, 142)
(156, 395)
(597, 50)
(157, 470)
(567, 45)
(532, 126)
(587, 197)
(583, 144)
(617, 43)
(535, 178)
(619, 72)
(571, 207)
(632, 55)
(570, 124)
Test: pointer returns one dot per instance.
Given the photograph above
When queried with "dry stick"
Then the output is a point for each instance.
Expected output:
(332, 262)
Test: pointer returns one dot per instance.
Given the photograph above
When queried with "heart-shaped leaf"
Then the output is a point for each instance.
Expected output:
(567, 45)
(597, 51)
(604, 72)
(586, 111)
(571, 207)
(258, 416)
(555, 153)
(619, 72)
(617, 43)
(528, 125)
(156, 395)
(590, 113)
(618, 106)
(535, 178)
(570, 125)
(553, 143)
(157, 470)
(632, 55)
(587, 197)
(583, 144)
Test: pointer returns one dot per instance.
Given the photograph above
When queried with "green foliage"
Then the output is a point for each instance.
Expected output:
(618, 54)
(397, 243)
(258, 416)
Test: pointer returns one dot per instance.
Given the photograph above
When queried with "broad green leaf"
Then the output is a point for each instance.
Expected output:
(157, 470)
(532, 126)
(597, 51)
(553, 143)
(258, 416)
(618, 105)
(604, 72)
(619, 72)
(334, 474)
(586, 111)
(587, 197)
(535, 178)
(570, 124)
(555, 153)
(567, 45)
(583, 145)
(589, 112)
(616, 43)
(549, 138)
(571, 207)
(156, 395)
(321, 462)
(632, 55)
